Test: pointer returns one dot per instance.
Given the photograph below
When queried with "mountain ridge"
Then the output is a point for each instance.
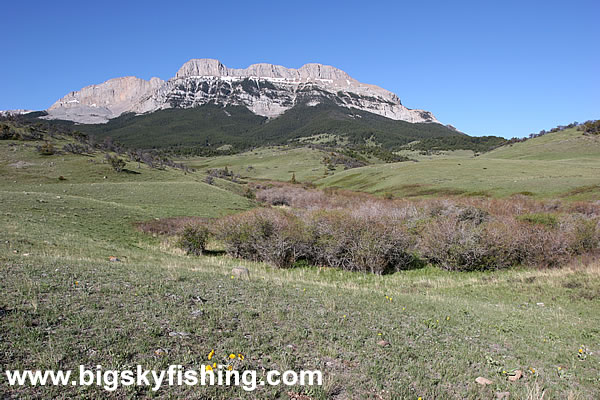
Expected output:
(265, 89)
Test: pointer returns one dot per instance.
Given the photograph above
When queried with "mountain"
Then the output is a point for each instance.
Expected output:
(265, 89)
(207, 107)
(212, 126)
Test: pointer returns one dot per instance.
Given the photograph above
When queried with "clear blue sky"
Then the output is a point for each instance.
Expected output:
(504, 68)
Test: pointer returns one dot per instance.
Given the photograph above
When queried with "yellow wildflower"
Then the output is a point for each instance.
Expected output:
(208, 368)
(211, 354)
(214, 365)
(240, 356)
(580, 351)
(229, 368)
(231, 356)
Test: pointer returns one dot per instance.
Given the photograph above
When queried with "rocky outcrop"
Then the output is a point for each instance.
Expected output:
(99, 103)
(266, 89)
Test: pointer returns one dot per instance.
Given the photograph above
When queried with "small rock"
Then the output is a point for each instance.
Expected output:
(540, 304)
(383, 343)
(517, 375)
(240, 272)
(197, 313)
(502, 395)
(181, 334)
(199, 299)
(483, 381)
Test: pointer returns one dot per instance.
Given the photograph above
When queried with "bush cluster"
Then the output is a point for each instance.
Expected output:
(357, 232)
(381, 236)
(327, 238)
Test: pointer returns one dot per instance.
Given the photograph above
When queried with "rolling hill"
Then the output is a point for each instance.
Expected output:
(563, 164)
(569, 144)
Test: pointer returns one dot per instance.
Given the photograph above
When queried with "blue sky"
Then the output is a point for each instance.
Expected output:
(504, 68)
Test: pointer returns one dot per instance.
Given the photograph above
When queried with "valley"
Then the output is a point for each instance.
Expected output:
(63, 301)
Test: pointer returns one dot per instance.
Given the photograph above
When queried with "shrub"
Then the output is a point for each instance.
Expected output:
(76, 148)
(360, 243)
(474, 214)
(451, 244)
(249, 193)
(542, 246)
(269, 235)
(499, 243)
(116, 163)
(193, 239)
(47, 149)
(464, 245)
(583, 233)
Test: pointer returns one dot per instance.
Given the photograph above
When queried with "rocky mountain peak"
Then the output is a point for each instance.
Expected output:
(265, 89)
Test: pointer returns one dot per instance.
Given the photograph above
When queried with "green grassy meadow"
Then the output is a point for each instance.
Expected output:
(563, 164)
(63, 303)
(270, 163)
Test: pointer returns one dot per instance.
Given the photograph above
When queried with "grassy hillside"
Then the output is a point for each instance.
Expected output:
(144, 190)
(474, 176)
(566, 145)
(564, 164)
(62, 303)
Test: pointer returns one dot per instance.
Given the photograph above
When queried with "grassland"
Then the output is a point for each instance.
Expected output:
(270, 163)
(62, 303)
(563, 164)
(567, 145)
